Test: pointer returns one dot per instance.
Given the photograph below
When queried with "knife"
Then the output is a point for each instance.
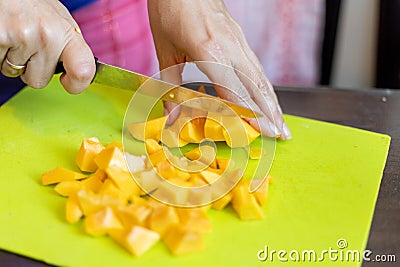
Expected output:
(113, 77)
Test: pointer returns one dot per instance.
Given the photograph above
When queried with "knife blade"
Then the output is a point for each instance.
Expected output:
(113, 77)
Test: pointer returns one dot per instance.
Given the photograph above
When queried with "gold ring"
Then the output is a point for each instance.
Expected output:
(78, 30)
(15, 67)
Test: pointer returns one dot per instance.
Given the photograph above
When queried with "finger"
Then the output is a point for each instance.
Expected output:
(79, 65)
(229, 87)
(262, 93)
(172, 110)
(171, 73)
(14, 62)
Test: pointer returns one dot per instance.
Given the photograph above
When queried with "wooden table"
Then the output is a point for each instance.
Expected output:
(374, 110)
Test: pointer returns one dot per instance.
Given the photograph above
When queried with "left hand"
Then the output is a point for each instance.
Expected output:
(203, 30)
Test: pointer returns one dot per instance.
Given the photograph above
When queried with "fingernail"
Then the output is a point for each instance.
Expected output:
(286, 131)
(274, 129)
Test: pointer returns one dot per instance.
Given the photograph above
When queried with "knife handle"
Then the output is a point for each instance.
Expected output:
(60, 67)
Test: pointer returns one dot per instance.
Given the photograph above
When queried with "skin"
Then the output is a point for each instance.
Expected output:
(203, 30)
(39, 34)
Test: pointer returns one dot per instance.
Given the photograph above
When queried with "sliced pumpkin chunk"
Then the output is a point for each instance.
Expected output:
(221, 203)
(205, 154)
(194, 219)
(137, 240)
(171, 138)
(157, 157)
(210, 176)
(150, 129)
(124, 181)
(60, 174)
(68, 188)
(213, 129)
(91, 202)
(133, 214)
(162, 218)
(181, 240)
(152, 146)
(93, 183)
(245, 204)
(262, 192)
(73, 211)
(256, 153)
(110, 157)
(116, 144)
(89, 149)
(222, 163)
(102, 222)
(193, 131)
(167, 171)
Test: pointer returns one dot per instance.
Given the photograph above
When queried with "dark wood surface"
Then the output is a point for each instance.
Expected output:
(374, 110)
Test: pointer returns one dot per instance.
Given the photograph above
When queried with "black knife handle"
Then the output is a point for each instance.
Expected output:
(60, 67)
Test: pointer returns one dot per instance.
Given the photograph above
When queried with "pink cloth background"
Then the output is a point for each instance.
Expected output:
(118, 32)
(285, 35)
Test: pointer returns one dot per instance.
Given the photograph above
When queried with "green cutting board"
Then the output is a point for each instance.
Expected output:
(326, 182)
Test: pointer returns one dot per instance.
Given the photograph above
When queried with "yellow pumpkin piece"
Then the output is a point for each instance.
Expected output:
(262, 192)
(167, 171)
(217, 171)
(196, 179)
(222, 163)
(109, 188)
(252, 133)
(256, 153)
(102, 222)
(199, 196)
(167, 192)
(150, 129)
(194, 219)
(89, 149)
(221, 203)
(116, 144)
(181, 240)
(133, 214)
(193, 131)
(100, 174)
(205, 154)
(171, 138)
(110, 157)
(152, 146)
(68, 188)
(92, 183)
(60, 174)
(124, 181)
(238, 132)
(202, 89)
(137, 240)
(157, 157)
(91, 202)
(213, 129)
(210, 176)
(73, 211)
(162, 218)
(245, 204)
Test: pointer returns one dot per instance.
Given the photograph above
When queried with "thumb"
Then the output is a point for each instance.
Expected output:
(171, 74)
(79, 65)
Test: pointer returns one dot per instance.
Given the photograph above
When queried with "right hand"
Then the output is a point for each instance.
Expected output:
(39, 34)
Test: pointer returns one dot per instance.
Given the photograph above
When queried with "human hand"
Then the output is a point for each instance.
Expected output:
(203, 30)
(38, 34)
